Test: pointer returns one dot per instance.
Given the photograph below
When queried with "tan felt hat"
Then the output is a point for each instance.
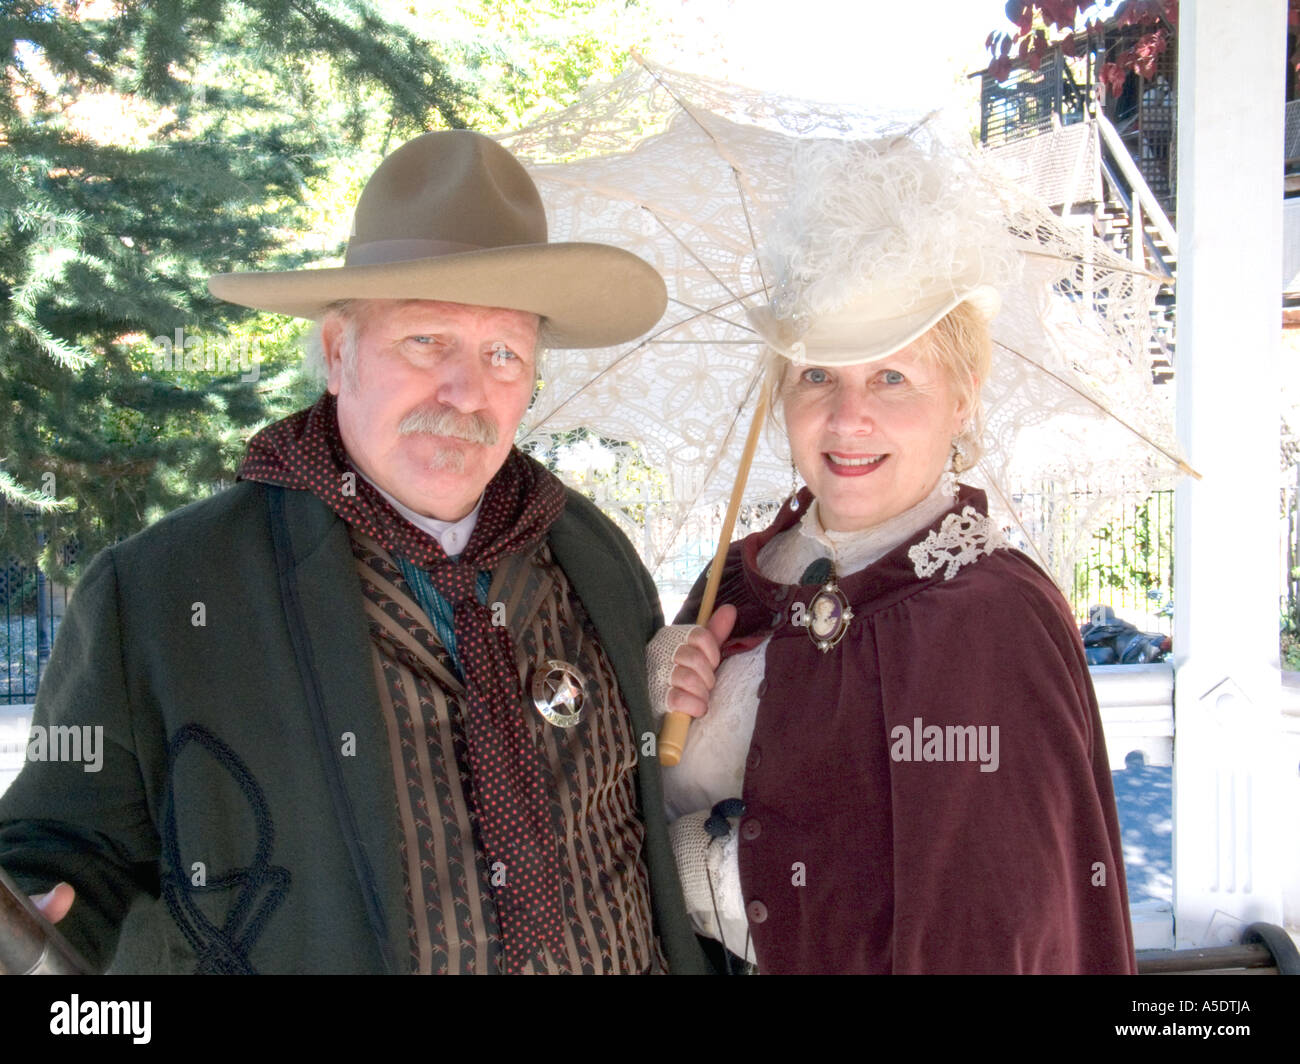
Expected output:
(453, 216)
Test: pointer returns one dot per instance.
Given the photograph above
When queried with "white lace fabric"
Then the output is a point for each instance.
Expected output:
(695, 176)
(961, 539)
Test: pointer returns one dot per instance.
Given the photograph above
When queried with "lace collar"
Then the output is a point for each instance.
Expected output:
(789, 553)
(952, 540)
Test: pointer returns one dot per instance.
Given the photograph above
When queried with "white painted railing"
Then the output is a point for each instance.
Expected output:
(1291, 247)
(1137, 711)
(1291, 796)
(1137, 715)
(1141, 192)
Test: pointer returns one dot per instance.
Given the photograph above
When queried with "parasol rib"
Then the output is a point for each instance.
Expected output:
(708, 312)
(722, 154)
(552, 176)
(1118, 266)
(1183, 467)
(691, 252)
(717, 460)
(672, 736)
(1015, 516)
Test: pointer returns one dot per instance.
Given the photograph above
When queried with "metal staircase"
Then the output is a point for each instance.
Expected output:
(1084, 170)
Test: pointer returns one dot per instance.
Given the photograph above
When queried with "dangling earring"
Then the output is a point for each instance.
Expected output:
(794, 488)
(958, 460)
(948, 482)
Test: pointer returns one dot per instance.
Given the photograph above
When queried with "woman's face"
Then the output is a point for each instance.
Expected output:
(871, 440)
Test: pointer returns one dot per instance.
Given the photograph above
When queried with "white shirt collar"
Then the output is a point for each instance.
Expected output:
(452, 536)
(855, 550)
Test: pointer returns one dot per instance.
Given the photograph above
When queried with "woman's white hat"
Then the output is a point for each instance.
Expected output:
(879, 242)
(875, 326)
(453, 216)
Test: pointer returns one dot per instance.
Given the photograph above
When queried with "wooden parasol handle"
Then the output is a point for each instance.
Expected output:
(672, 735)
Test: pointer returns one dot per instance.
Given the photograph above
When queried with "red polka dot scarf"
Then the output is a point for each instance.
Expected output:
(305, 453)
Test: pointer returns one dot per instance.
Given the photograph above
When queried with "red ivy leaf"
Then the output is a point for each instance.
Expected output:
(1113, 76)
(1147, 46)
(1035, 61)
(1146, 67)
(1000, 69)
(1067, 46)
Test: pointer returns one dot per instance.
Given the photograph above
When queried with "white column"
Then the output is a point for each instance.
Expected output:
(1230, 832)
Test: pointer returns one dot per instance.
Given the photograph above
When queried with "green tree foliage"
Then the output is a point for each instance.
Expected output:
(145, 146)
(530, 57)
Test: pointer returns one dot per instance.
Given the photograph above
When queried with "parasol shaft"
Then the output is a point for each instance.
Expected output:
(672, 736)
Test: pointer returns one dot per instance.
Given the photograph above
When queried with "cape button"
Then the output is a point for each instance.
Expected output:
(756, 911)
(778, 618)
(751, 829)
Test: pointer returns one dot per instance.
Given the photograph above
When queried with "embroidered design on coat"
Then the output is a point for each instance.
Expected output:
(961, 539)
(254, 892)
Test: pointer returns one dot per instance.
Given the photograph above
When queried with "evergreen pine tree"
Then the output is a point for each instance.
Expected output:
(144, 146)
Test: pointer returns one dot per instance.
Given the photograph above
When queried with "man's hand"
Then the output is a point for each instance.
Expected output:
(54, 906)
(695, 664)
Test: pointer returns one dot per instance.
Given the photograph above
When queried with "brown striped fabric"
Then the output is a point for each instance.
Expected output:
(591, 778)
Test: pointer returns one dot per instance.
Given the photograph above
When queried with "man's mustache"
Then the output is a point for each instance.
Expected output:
(446, 422)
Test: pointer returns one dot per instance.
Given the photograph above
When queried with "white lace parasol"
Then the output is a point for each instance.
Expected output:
(713, 185)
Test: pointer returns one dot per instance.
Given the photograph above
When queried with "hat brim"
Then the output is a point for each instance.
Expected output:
(863, 341)
(589, 295)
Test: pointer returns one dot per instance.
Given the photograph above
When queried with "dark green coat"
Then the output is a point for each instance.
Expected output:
(252, 796)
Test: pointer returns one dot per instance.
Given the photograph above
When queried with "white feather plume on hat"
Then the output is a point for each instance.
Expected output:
(879, 240)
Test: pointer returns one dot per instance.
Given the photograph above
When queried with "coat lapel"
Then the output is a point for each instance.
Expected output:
(333, 631)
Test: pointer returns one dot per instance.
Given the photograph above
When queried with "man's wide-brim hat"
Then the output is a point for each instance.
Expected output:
(453, 216)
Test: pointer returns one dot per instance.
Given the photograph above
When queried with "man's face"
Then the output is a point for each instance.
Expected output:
(439, 390)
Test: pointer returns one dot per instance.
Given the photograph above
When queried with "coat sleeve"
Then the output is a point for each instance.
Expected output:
(1013, 864)
(87, 822)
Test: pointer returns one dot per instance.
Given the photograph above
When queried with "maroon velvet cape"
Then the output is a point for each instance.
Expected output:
(852, 860)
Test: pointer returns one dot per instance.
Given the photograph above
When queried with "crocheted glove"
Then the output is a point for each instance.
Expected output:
(659, 663)
(700, 859)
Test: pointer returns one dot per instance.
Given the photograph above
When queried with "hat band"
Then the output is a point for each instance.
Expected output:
(777, 333)
(858, 333)
(378, 252)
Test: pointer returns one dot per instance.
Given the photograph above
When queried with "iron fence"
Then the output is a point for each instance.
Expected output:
(1125, 562)
(32, 607)
(1107, 548)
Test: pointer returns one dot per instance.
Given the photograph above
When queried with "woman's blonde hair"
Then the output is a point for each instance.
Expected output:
(960, 345)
